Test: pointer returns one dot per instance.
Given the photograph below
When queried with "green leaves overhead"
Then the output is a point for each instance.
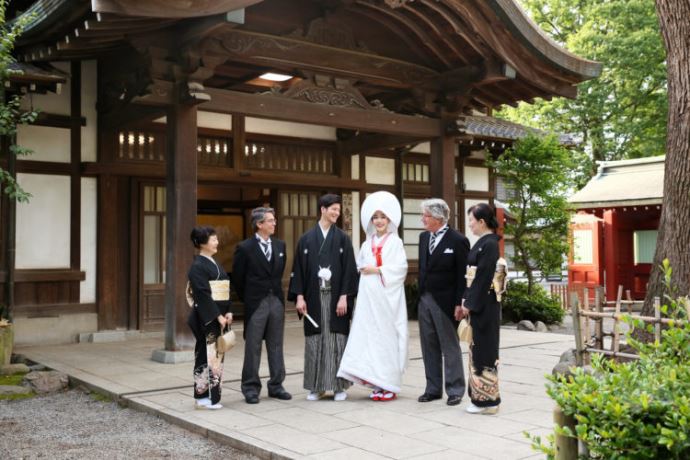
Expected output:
(621, 114)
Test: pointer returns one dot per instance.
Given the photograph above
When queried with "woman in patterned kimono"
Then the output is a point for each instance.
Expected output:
(484, 310)
(207, 319)
(376, 351)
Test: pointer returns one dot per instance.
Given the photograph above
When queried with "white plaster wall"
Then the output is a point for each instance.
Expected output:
(214, 120)
(47, 143)
(286, 128)
(53, 330)
(89, 207)
(476, 178)
(424, 147)
(89, 85)
(355, 166)
(380, 170)
(43, 224)
(412, 226)
(57, 103)
(468, 204)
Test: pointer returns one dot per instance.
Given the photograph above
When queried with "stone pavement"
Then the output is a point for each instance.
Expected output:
(355, 428)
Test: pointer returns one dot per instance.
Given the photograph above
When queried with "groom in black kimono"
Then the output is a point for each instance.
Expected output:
(323, 285)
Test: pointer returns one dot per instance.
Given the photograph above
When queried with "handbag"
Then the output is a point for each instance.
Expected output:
(465, 331)
(226, 341)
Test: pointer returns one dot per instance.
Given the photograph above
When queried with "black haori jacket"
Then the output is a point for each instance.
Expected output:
(335, 253)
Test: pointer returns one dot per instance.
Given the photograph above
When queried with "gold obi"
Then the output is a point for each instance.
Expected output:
(499, 282)
(470, 274)
(220, 290)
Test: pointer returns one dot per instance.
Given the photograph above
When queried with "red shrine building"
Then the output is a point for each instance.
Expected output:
(614, 231)
(158, 115)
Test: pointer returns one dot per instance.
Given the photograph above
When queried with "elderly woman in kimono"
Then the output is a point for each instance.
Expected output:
(376, 352)
(207, 318)
(481, 304)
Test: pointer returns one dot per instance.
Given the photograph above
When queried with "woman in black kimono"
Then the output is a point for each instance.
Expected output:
(484, 311)
(207, 319)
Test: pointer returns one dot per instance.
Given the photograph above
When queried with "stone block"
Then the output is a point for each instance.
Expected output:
(47, 381)
(541, 327)
(526, 325)
(11, 369)
(172, 357)
(11, 390)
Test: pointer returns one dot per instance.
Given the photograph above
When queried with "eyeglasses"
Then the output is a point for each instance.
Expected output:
(270, 221)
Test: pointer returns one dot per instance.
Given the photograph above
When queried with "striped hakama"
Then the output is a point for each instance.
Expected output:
(323, 352)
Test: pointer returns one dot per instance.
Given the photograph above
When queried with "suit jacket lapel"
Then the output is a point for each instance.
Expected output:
(424, 241)
(440, 247)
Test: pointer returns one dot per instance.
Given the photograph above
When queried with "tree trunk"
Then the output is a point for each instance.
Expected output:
(673, 241)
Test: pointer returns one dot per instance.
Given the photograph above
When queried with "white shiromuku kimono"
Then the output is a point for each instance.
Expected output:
(376, 351)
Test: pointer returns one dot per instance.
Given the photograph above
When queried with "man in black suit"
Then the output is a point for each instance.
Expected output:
(442, 264)
(257, 272)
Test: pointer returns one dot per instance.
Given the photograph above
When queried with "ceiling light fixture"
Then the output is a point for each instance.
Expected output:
(275, 76)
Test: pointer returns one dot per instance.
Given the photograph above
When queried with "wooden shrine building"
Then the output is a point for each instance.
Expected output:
(615, 228)
(164, 115)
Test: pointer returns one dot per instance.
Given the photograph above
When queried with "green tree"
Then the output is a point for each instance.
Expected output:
(11, 114)
(538, 174)
(622, 114)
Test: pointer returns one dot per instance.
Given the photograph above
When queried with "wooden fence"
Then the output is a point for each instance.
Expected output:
(560, 291)
(588, 322)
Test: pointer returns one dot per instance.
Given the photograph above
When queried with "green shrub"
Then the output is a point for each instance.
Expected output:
(538, 306)
(634, 410)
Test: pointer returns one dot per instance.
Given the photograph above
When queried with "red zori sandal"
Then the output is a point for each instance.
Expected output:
(388, 396)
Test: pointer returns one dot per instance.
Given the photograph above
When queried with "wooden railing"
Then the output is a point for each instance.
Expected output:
(560, 291)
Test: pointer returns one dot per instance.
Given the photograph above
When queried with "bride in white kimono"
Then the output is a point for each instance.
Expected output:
(376, 351)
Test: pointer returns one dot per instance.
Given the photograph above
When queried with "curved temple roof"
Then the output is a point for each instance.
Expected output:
(482, 52)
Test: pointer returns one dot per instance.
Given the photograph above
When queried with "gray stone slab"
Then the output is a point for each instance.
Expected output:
(474, 443)
(294, 440)
(383, 443)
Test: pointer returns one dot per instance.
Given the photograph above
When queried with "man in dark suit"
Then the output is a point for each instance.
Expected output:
(442, 264)
(257, 272)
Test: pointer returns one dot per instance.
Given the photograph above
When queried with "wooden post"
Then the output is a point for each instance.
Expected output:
(566, 447)
(599, 300)
(615, 346)
(442, 172)
(628, 295)
(181, 198)
(577, 328)
(657, 317)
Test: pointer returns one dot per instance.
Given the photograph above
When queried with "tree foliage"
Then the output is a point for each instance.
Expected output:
(11, 113)
(621, 114)
(538, 174)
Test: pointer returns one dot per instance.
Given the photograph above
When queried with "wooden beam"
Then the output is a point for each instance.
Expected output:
(180, 9)
(75, 160)
(273, 107)
(364, 143)
(290, 54)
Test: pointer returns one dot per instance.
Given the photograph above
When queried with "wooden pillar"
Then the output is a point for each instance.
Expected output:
(181, 201)
(442, 172)
(399, 187)
(611, 252)
(75, 173)
(107, 253)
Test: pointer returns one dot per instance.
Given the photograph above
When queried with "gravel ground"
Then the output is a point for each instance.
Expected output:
(74, 425)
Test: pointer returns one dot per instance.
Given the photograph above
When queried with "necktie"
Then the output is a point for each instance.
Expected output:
(266, 246)
(434, 239)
